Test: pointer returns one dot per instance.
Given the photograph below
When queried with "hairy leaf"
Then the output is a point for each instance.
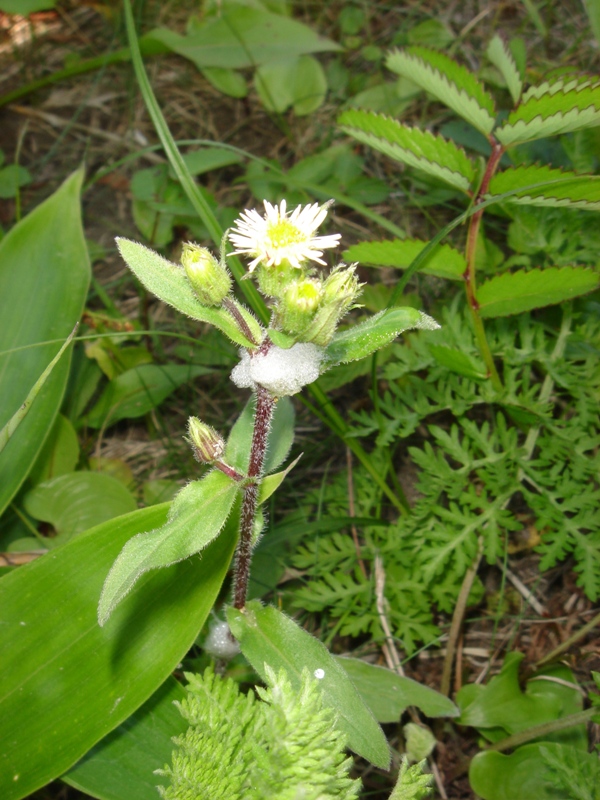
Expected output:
(449, 82)
(513, 293)
(564, 189)
(563, 107)
(196, 517)
(444, 262)
(374, 333)
(419, 149)
(501, 57)
(268, 637)
(170, 284)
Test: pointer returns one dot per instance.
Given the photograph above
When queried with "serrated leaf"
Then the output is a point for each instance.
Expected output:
(501, 57)
(419, 149)
(449, 82)
(444, 262)
(563, 189)
(196, 517)
(374, 333)
(562, 108)
(515, 292)
(170, 284)
(267, 636)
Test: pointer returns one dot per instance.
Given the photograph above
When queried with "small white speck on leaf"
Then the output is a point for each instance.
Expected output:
(319, 674)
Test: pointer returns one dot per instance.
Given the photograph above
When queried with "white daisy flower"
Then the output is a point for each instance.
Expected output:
(279, 236)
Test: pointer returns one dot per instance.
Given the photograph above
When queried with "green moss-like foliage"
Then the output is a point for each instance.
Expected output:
(285, 747)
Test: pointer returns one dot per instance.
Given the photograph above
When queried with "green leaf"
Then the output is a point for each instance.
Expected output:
(527, 773)
(267, 636)
(12, 178)
(170, 284)
(8, 430)
(208, 158)
(281, 437)
(501, 57)
(123, 765)
(137, 391)
(77, 501)
(271, 483)
(388, 695)
(448, 82)
(374, 333)
(25, 7)
(444, 262)
(544, 186)
(59, 454)
(196, 517)
(459, 362)
(513, 293)
(551, 108)
(243, 37)
(419, 149)
(47, 242)
(310, 86)
(66, 683)
(226, 81)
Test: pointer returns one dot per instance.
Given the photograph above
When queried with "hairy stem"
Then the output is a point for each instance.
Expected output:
(265, 405)
(469, 275)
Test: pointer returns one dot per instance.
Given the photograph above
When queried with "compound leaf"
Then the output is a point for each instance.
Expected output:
(562, 189)
(561, 107)
(444, 262)
(419, 149)
(501, 57)
(515, 292)
(449, 82)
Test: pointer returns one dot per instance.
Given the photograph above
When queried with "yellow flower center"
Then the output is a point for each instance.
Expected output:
(284, 233)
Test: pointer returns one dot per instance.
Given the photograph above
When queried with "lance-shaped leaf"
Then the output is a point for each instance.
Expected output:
(449, 82)
(268, 637)
(374, 333)
(512, 293)
(444, 262)
(501, 57)
(419, 149)
(564, 107)
(544, 186)
(196, 517)
(271, 483)
(65, 682)
(170, 284)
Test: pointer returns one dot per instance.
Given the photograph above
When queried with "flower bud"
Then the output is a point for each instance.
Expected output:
(340, 291)
(298, 306)
(274, 280)
(210, 280)
(207, 444)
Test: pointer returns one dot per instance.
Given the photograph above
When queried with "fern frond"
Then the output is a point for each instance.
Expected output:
(563, 189)
(449, 82)
(501, 57)
(422, 150)
(444, 262)
(561, 109)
